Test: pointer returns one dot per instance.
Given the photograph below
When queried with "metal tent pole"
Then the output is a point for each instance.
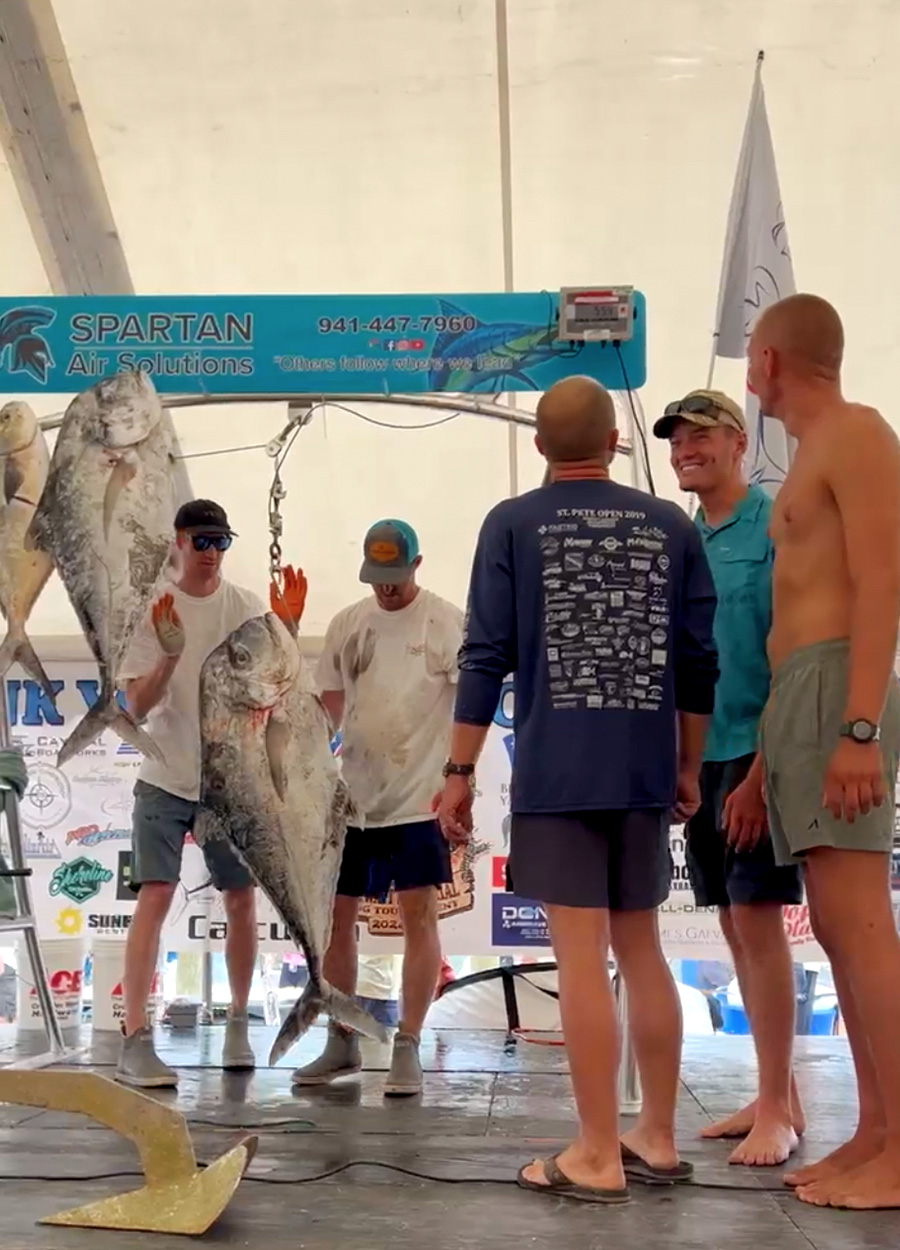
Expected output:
(24, 920)
(629, 1088)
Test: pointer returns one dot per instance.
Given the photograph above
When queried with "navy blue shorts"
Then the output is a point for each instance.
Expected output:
(719, 875)
(405, 857)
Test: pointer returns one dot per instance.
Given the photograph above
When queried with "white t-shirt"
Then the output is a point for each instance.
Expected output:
(398, 671)
(175, 721)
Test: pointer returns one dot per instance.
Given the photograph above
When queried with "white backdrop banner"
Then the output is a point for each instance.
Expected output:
(77, 827)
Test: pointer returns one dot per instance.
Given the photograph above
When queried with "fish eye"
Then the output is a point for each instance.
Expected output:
(241, 655)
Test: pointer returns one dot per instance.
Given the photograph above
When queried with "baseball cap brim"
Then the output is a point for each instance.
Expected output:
(665, 425)
(373, 574)
(210, 529)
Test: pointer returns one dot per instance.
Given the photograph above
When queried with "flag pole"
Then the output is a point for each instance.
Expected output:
(732, 226)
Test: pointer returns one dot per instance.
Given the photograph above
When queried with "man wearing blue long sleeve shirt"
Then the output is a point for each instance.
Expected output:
(599, 599)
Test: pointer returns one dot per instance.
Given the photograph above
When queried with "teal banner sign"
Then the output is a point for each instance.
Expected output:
(307, 344)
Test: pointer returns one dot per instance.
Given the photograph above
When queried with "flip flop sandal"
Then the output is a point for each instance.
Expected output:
(559, 1185)
(638, 1169)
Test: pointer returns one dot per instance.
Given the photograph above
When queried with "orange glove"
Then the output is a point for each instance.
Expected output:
(289, 600)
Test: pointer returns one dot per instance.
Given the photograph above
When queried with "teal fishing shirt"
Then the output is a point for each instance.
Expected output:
(740, 555)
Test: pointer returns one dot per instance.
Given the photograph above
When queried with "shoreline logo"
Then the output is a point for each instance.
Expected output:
(79, 880)
(22, 348)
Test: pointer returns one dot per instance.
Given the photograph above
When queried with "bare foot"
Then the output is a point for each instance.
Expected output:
(740, 1124)
(766, 1146)
(575, 1163)
(872, 1187)
(737, 1125)
(860, 1149)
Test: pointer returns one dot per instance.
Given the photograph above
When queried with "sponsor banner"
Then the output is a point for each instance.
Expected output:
(518, 922)
(76, 828)
(306, 344)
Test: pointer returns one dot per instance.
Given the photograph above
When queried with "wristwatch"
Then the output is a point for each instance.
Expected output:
(860, 731)
(458, 770)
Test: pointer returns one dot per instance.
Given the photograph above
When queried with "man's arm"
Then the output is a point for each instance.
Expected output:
(864, 476)
(489, 648)
(152, 658)
(143, 693)
(329, 677)
(696, 659)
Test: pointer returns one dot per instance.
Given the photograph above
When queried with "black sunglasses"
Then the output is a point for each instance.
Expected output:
(699, 405)
(203, 542)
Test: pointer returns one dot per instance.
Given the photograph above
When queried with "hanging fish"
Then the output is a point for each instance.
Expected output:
(106, 518)
(24, 461)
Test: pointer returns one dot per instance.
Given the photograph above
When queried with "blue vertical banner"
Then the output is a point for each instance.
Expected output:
(308, 344)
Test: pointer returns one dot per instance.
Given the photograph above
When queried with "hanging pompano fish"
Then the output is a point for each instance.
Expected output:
(271, 787)
(106, 517)
(24, 460)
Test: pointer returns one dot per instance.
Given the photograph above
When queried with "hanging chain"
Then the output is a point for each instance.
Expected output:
(276, 525)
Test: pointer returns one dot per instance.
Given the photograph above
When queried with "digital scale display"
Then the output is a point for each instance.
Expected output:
(596, 314)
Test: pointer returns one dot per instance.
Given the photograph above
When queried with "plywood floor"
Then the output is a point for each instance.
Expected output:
(488, 1106)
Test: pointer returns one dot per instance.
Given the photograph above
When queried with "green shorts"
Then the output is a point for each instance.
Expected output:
(800, 729)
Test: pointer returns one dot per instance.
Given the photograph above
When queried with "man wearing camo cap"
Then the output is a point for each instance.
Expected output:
(729, 854)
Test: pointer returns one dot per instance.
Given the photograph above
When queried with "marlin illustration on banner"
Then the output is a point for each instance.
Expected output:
(27, 351)
(510, 349)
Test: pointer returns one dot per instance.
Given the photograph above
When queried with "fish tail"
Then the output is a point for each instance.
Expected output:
(106, 714)
(16, 648)
(346, 1011)
(315, 999)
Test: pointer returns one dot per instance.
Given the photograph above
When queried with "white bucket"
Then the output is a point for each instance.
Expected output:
(64, 961)
(108, 995)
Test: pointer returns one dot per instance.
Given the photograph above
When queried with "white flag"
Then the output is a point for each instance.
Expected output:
(756, 272)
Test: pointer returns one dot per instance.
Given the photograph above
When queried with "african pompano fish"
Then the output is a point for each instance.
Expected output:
(106, 518)
(272, 788)
(24, 460)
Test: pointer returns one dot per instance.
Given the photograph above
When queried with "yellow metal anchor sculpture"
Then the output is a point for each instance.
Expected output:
(178, 1197)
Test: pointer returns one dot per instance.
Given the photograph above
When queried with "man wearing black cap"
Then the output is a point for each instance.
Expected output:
(387, 675)
(161, 678)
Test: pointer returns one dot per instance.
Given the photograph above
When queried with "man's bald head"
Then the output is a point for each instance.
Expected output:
(576, 421)
(805, 332)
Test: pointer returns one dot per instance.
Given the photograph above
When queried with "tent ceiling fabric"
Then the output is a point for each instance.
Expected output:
(351, 146)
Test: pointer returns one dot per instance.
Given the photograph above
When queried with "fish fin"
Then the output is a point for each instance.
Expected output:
(13, 477)
(344, 1010)
(278, 733)
(301, 1016)
(340, 1007)
(124, 471)
(106, 714)
(38, 533)
(17, 648)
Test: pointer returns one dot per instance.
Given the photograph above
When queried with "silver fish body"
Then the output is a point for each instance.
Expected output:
(106, 518)
(24, 463)
(272, 788)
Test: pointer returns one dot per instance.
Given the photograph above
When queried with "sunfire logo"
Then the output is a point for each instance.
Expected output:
(22, 348)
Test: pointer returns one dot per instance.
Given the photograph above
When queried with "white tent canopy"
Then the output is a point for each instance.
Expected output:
(355, 147)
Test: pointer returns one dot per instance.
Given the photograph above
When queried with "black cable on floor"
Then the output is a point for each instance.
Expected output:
(391, 1167)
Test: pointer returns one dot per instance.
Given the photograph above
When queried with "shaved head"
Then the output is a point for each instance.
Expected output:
(806, 332)
(576, 421)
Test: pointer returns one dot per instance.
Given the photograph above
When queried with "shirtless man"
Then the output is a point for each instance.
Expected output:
(830, 735)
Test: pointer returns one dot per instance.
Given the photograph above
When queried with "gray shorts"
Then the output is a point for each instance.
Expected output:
(159, 824)
(799, 731)
(612, 860)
